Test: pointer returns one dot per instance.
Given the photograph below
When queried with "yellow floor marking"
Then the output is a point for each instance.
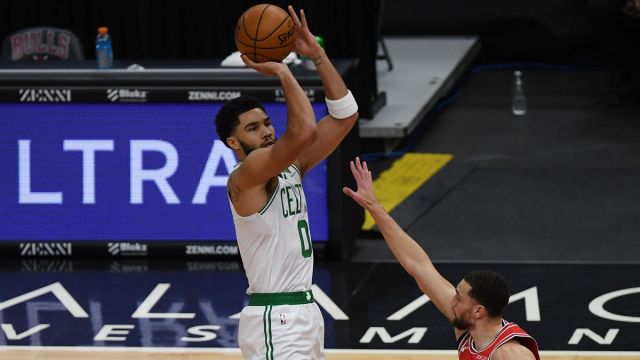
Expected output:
(404, 177)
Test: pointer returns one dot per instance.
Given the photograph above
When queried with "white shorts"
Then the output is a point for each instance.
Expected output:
(281, 332)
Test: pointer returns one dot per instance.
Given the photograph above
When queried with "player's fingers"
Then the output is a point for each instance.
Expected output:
(304, 18)
(366, 171)
(359, 165)
(354, 195)
(294, 16)
(364, 175)
(356, 174)
(350, 193)
(248, 61)
(363, 171)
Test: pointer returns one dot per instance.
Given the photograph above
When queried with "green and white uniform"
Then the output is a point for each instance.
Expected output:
(282, 321)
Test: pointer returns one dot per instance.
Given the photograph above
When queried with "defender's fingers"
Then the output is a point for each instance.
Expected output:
(367, 172)
(359, 164)
(354, 195)
(355, 172)
(350, 193)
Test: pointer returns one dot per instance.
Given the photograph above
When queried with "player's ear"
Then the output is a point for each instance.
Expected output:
(479, 311)
(233, 142)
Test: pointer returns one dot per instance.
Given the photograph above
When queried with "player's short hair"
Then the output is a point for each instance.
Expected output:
(228, 117)
(490, 290)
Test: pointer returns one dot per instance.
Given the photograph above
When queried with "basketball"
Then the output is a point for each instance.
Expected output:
(265, 33)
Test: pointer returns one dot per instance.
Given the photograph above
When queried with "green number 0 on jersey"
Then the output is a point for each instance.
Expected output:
(305, 238)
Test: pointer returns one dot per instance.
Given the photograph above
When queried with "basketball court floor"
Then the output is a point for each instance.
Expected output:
(217, 354)
(188, 309)
(547, 199)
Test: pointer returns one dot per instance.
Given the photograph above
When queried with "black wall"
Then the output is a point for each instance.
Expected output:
(200, 29)
(541, 30)
(544, 30)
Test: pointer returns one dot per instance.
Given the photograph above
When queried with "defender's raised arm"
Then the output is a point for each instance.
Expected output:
(411, 256)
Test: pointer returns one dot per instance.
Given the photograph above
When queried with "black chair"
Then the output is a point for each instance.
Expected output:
(40, 44)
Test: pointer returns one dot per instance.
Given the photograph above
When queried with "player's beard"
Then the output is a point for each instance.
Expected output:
(460, 323)
(246, 148)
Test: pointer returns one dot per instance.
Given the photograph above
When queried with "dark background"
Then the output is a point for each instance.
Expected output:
(199, 29)
(558, 31)
(564, 32)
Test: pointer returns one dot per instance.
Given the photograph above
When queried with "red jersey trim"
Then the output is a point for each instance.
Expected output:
(510, 331)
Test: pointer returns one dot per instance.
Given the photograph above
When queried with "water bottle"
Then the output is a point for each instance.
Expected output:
(104, 51)
(518, 100)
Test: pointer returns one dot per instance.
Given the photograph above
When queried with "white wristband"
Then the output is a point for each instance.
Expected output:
(342, 108)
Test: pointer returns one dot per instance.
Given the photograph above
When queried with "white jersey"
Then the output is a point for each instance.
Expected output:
(275, 243)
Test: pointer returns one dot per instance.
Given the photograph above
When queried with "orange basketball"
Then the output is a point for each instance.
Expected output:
(265, 33)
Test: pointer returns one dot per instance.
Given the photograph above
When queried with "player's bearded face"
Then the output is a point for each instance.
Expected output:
(248, 148)
(462, 305)
(254, 131)
(461, 322)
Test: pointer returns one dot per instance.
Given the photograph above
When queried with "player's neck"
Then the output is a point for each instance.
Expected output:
(485, 331)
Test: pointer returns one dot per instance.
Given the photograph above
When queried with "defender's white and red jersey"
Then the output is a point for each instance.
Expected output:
(510, 331)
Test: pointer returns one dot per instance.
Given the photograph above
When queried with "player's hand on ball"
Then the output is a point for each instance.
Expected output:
(306, 43)
(270, 68)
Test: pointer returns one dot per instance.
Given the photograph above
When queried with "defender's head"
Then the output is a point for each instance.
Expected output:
(480, 294)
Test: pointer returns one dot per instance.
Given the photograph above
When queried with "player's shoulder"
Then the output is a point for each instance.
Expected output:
(233, 173)
(513, 350)
(296, 168)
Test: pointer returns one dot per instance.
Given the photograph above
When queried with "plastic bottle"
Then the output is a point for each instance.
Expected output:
(104, 51)
(518, 100)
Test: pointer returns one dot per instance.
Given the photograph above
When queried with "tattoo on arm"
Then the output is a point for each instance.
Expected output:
(233, 191)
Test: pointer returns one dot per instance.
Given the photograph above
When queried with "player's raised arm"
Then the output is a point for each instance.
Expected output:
(411, 256)
(276, 155)
(343, 110)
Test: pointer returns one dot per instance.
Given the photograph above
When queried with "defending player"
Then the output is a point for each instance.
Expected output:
(269, 207)
(473, 307)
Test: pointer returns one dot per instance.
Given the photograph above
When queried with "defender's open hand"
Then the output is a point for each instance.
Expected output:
(364, 195)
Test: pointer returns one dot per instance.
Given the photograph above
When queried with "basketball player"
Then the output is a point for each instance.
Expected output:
(269, 207)
(473, 307)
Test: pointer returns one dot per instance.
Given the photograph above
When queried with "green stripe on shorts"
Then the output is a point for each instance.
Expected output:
(270, 334)
(266, 324)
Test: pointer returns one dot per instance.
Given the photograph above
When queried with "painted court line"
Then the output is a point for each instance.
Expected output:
(404, 177)
(330, 351)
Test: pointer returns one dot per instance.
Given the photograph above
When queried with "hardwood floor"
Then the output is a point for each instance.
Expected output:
(84, 353)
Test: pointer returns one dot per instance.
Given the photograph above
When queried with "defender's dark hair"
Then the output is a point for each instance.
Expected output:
(490, 290)
(227, 118)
